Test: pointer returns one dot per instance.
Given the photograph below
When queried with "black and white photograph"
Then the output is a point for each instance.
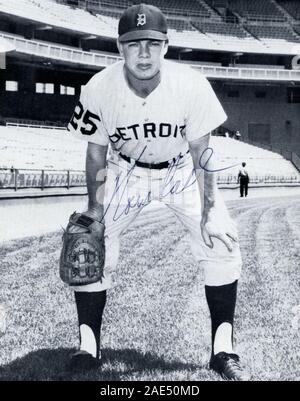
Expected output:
(149, 193)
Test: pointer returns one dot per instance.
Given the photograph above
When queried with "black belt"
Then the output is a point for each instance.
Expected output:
(157, 166)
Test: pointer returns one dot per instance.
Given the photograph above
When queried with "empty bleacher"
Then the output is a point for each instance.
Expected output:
(262, 165)
(297, 29)
(187, 7)
(226, 29)
(226, 33)
(52, 13)
(37, 149)
(292, 7)
(179, 25)
(110, 13)
(112, 17)
(271, 33)
(218, 3)
(122, 4)
(192, 26)
(256, 9)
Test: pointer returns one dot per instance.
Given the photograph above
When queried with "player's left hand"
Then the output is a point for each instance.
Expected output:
(218, 225)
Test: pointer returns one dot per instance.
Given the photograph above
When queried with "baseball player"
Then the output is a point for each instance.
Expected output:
(148, 122)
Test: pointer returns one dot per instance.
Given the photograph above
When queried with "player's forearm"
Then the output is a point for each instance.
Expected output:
(96, 176)
(203, 160)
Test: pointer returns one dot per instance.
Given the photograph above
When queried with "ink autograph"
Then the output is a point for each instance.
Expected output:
(170, 186)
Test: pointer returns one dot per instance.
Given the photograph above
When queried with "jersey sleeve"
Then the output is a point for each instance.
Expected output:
(205, 112)
(86, 122)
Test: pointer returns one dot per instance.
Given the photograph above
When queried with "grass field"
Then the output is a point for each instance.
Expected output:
(156, 324)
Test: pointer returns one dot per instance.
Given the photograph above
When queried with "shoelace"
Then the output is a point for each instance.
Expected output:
(233, 367)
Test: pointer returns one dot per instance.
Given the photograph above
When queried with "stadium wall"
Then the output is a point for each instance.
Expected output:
(27, 104)
(40, 107)
(260, 111)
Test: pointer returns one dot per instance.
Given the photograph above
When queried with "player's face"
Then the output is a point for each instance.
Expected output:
(143, 57)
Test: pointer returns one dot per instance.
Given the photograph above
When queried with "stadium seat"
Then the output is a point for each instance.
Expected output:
(186, 7)
(267, 33)
(230, 152)
(256, 9)
(179, 25)
(292, 7)
(66, 153)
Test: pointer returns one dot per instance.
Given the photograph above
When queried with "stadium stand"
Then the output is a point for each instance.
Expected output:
(226, 34)
(218, 3)
(226, 52)
(229, 29)
(60, 15)
(96, 5)
(177, 7)
(187, 7)
(103, 59)
(292, 7)
(179, 25)
(30, 150)
(256, 9)
(279, 33)
(109, 13)
(297, 29)
(263, 165)
(37, 148)
(103, 21)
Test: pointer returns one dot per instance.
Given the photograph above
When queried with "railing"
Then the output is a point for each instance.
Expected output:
(261, 179)
(264, 18)
(103, 60)
(249, 73)
(295, 160)
(59, 52)
(25, 178)
(24, 122)
(24, 125)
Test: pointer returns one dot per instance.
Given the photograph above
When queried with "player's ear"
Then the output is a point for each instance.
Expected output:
(120, 47)
(166, 46)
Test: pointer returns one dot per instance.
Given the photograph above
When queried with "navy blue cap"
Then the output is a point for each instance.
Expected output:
(142, 21)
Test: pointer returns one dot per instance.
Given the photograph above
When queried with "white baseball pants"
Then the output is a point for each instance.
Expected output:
(129, 189)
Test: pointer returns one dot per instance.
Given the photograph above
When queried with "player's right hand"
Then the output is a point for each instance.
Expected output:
(222, 227)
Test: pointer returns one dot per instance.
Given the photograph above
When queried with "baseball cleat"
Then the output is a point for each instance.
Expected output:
(228, 366)
(83, 361)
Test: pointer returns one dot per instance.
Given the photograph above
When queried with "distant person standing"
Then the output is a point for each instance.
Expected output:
(238, 135)
(243, 179)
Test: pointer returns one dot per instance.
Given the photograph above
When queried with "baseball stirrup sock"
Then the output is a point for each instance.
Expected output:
(90, 306)
(221, 302)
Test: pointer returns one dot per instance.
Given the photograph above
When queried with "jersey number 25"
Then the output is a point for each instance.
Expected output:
(87, 119)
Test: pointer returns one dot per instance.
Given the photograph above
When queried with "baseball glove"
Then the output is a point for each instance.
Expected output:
(83, 254)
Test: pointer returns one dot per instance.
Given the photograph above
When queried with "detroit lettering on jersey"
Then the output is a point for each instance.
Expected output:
(147, 130)
(182, 108)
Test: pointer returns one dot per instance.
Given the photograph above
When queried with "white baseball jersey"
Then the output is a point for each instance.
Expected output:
(182, 108)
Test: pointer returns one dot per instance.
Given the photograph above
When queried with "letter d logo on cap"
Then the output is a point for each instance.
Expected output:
(141, 19)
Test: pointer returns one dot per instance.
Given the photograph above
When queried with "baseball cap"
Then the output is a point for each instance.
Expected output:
(142, 21)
